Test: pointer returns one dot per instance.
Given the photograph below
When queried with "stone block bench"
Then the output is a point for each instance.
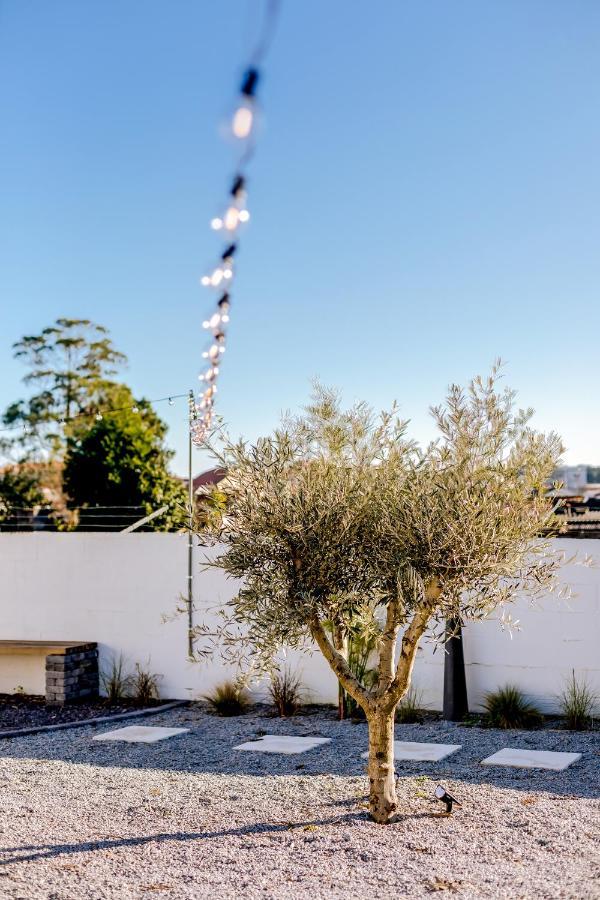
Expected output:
(71, 667)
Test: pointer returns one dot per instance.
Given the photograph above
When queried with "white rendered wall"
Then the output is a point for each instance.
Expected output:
(116, 589)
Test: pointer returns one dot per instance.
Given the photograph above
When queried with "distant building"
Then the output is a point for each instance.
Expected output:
(572, 479)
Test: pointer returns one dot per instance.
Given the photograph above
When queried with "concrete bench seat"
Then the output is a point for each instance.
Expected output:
(71, 667)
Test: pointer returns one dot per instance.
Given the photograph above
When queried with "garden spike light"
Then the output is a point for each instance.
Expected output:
(443, 796)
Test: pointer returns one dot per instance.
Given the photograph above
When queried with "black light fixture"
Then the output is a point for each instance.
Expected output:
(443, 796)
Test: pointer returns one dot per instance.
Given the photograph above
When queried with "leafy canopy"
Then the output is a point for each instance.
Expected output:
(69, 364)
(121, 460)
(19, 491)
(339, 519)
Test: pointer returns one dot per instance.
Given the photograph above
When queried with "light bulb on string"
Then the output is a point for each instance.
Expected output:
(215, 278)
(231, 220)
(235, 213)
(243, 121)
(214, 321)
(134, 409)
(99, 417)
(224, 304)
(223, 271)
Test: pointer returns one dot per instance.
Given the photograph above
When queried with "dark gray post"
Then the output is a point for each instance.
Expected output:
(456, 706)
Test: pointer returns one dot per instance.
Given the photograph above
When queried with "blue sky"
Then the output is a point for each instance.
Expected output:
(425, 197)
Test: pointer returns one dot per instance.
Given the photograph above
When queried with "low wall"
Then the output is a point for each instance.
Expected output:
(117, 589)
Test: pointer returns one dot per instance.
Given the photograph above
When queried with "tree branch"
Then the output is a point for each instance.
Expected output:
(410, 643)
(339, 665)
(387, 647)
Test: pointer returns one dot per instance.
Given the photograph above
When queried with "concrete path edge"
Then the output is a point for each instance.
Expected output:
(99, 720)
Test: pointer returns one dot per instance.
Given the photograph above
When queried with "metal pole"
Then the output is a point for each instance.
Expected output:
(190, 575)
(456, 705)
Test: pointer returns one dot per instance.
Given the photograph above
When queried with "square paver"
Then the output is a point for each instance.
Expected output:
(140, 734)
(418, 752)
(277, 743)
(531, 759)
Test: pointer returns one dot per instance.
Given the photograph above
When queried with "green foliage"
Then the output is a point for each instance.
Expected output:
(285, 691)
(361, 648)
(144, 685)
(69, 364)
(508, 708)
(578, 703)
(19, 489)
(121, 460)
(228, 699)
(410, 708)
(339, 518)
(115, 683)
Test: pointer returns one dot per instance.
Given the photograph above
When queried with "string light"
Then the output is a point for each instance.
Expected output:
(98, 416)
(228, 223)
(244, 116)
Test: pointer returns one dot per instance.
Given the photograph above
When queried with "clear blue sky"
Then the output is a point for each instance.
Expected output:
(425, 197)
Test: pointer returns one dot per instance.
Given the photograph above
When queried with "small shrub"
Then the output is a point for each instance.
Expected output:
(228, 699)
(577, 703)
(508, 708)
(285, 691)
(144, 685)
(114, 682)
(410, 708)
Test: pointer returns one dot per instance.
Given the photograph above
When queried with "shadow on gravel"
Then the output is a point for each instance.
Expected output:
(34, 852)
(30, 852)
(208, 749)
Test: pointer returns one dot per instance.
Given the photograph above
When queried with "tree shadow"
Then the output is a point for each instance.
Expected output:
(33, 852)
(208, 748)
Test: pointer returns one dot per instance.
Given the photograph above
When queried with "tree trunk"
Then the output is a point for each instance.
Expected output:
(382, 784)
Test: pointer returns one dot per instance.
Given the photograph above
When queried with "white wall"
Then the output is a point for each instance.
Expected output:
(115, 589)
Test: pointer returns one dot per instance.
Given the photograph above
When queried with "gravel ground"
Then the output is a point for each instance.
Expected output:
(26, 710)
(189, 818)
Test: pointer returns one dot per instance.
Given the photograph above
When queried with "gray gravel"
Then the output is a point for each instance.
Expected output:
(189, 818)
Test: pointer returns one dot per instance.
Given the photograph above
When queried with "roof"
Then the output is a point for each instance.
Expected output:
(208, 478)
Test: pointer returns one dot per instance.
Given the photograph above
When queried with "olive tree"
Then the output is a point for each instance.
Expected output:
(338, 524)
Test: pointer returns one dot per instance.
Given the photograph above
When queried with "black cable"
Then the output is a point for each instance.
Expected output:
(273, 8)
(103, 411)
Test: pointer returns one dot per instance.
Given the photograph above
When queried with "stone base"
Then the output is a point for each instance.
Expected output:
(72, 675)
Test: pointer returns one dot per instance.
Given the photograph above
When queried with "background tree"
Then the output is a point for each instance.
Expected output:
(69, 364)
(121, 460)
(20, 492)
(338, 521)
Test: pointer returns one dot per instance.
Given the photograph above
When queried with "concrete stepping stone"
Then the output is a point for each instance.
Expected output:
(418, 752)
(140, 734)
(277, 743)
(531, 759)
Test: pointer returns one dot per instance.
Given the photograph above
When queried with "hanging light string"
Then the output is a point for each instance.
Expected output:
(228, 225)
(99, 413)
